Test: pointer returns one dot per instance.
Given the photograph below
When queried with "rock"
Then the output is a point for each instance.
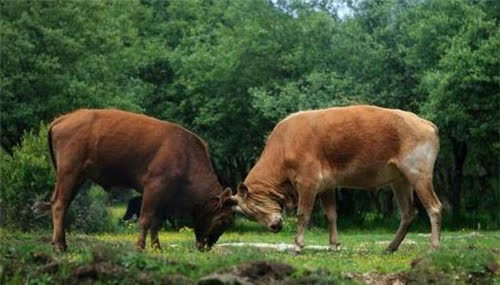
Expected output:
(493, 267)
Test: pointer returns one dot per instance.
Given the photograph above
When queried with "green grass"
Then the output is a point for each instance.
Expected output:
(462, 254)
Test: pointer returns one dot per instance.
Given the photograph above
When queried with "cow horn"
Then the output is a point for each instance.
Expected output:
(237, 209)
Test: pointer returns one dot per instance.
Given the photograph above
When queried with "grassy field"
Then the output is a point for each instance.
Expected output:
(112, 258)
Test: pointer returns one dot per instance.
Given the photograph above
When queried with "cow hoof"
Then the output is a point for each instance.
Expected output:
(389, 250)
(296, 250)
(156, 247)
(334, 247)
(60, 247)
(201, 246)
(140, 246)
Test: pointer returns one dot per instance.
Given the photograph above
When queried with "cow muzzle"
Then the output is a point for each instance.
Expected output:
(202, 246)
(276, 224)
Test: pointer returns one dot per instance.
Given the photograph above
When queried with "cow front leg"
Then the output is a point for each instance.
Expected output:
(155, 226)
(403, 192)
(305, 207)
(329, 205)
(144, 224)
(152, 198)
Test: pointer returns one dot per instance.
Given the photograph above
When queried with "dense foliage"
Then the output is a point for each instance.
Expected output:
(27, 177)
(230, 70)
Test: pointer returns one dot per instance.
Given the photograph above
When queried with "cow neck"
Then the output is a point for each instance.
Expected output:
(267, 176)
(214, 186)
(210, 187)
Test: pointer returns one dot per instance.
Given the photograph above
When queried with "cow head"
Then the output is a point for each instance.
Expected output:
(213, 218)
(261, 205)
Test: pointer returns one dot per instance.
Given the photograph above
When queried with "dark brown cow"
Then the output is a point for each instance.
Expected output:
(160, 159)
(311, 153)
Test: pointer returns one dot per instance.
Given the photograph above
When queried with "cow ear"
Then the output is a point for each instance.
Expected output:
(226, 199)
(230, 202)
(234, 191)
(226, 193)
(242, 190)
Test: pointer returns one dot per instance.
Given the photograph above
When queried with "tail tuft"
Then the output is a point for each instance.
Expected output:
(41, 208)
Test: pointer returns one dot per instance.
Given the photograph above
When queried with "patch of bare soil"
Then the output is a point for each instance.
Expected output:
(423, 273)
(100, 268)
(176, 280)
(103, 268)
(97, 270)
(40, 257)
(258, 272)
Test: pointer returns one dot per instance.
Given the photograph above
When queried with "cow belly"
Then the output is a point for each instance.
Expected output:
(109, 177)
(359, 177)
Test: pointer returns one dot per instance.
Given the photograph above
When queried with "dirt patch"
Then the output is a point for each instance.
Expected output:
(48, 264)
(176, 280)
(379, 279)
(493, 267)
(51, 267)
(101, 267)
(105, 268)
(258, 272)
(40, 257)
(425, 272)
(97, 270)
(265, 270)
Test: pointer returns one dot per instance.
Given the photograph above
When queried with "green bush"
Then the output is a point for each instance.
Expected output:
(27, 176)
(88, 211)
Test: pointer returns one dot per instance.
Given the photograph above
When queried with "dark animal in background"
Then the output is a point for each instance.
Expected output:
(164, 161)
(133, 209)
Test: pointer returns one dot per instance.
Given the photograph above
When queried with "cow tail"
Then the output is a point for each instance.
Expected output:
(51, 148)
(42, 208)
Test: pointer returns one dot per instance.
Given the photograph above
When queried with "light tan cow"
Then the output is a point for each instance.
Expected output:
(310, 153)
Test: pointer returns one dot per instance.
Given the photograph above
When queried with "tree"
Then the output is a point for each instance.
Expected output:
(464, 99)
(60, 55)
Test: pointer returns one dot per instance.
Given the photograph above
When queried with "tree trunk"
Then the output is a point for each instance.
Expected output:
(459, 155)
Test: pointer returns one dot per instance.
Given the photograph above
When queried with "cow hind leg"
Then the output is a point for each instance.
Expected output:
(403, 191)
(417, 167)
(425, 192)
(329, 205)
(67, 185)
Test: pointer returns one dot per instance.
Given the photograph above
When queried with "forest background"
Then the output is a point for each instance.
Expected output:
(230, 70)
